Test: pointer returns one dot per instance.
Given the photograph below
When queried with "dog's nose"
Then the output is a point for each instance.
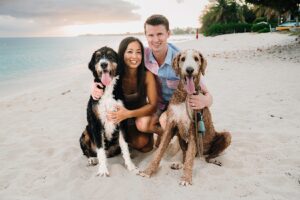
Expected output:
(104, 65)
(189, 70)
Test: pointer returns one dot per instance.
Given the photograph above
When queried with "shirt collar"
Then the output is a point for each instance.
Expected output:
(169, 56)
(151, 57)
(168, 59)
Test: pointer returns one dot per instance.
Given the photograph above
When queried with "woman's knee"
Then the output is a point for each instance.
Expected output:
(140, 141)
(142, 124)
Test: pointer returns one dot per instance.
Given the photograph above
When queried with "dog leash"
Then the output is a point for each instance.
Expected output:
(197, 118)
(199, 132)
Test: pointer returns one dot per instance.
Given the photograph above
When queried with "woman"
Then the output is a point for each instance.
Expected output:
(140, 96)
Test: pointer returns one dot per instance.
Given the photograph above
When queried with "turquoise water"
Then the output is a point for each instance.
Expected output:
(26, 56)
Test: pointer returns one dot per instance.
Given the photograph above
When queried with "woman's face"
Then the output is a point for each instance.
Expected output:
(133, 55)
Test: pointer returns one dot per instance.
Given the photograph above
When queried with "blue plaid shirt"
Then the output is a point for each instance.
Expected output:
(165, 74)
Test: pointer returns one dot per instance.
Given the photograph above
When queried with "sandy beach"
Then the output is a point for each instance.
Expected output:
(254, 80)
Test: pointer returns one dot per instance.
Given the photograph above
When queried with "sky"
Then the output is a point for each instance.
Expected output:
(39, 18)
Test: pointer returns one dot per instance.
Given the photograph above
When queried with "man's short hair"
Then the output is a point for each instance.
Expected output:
(155, 20)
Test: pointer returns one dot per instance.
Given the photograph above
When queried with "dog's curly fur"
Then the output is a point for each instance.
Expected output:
(188, 64)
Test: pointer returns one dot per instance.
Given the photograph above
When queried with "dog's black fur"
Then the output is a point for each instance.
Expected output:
(91, 137)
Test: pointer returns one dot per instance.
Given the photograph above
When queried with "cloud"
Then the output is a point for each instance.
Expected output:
(179, 1)
(70, 12)
(39, 14)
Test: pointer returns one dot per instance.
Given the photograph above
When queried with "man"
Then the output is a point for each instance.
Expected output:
(158, 60)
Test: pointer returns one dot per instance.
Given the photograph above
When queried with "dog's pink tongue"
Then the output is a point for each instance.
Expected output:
(190, 86)
(105, 78)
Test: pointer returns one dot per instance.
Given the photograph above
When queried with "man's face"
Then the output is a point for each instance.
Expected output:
(157, 37)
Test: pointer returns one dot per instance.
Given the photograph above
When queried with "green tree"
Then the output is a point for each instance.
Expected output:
(282, 6)
(187, 30)
(263, 11)
(249, 14)
(227, 11)
(272, 15)
(223, 12)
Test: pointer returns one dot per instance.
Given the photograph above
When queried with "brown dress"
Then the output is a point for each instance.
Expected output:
(131, 102)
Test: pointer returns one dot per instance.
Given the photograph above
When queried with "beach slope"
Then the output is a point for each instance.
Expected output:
(254, 80)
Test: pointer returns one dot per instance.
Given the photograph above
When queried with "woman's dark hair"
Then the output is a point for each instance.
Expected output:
(141, 68)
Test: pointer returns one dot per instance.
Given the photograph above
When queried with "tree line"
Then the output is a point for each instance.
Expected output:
(227, 16)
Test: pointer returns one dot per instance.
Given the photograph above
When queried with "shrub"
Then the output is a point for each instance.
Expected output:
(260, 26)
(264, 30)
(260, 19)
(218, 29)
(273, 23)
(215, 29)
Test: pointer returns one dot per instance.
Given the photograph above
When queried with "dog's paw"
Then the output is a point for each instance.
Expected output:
(103, 174)
(176, 165)
(145, 173)
(185, 181)
(103, 171)
(131, 167)
(135, 171)
(92, 161)
(214, 161)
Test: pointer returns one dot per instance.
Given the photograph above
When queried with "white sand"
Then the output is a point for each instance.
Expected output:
(256, 90)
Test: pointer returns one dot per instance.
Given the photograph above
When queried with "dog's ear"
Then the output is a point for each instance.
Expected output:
(93, 60)
(203, 64)
(118, 63)
(175, 64)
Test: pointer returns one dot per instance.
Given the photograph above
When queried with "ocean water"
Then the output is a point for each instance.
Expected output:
(26, 56)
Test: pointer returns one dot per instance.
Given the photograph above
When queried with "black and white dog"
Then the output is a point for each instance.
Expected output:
(102, 138)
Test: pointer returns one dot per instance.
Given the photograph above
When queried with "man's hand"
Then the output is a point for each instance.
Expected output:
(96, 92)
(199, 101)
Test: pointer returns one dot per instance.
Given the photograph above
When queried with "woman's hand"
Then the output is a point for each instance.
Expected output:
(96, 92)
(119, 115)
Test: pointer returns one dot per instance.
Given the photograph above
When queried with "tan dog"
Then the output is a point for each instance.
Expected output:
(188, 65)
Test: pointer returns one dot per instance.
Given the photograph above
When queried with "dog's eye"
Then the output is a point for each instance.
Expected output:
(182, 59)
(196, 59)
